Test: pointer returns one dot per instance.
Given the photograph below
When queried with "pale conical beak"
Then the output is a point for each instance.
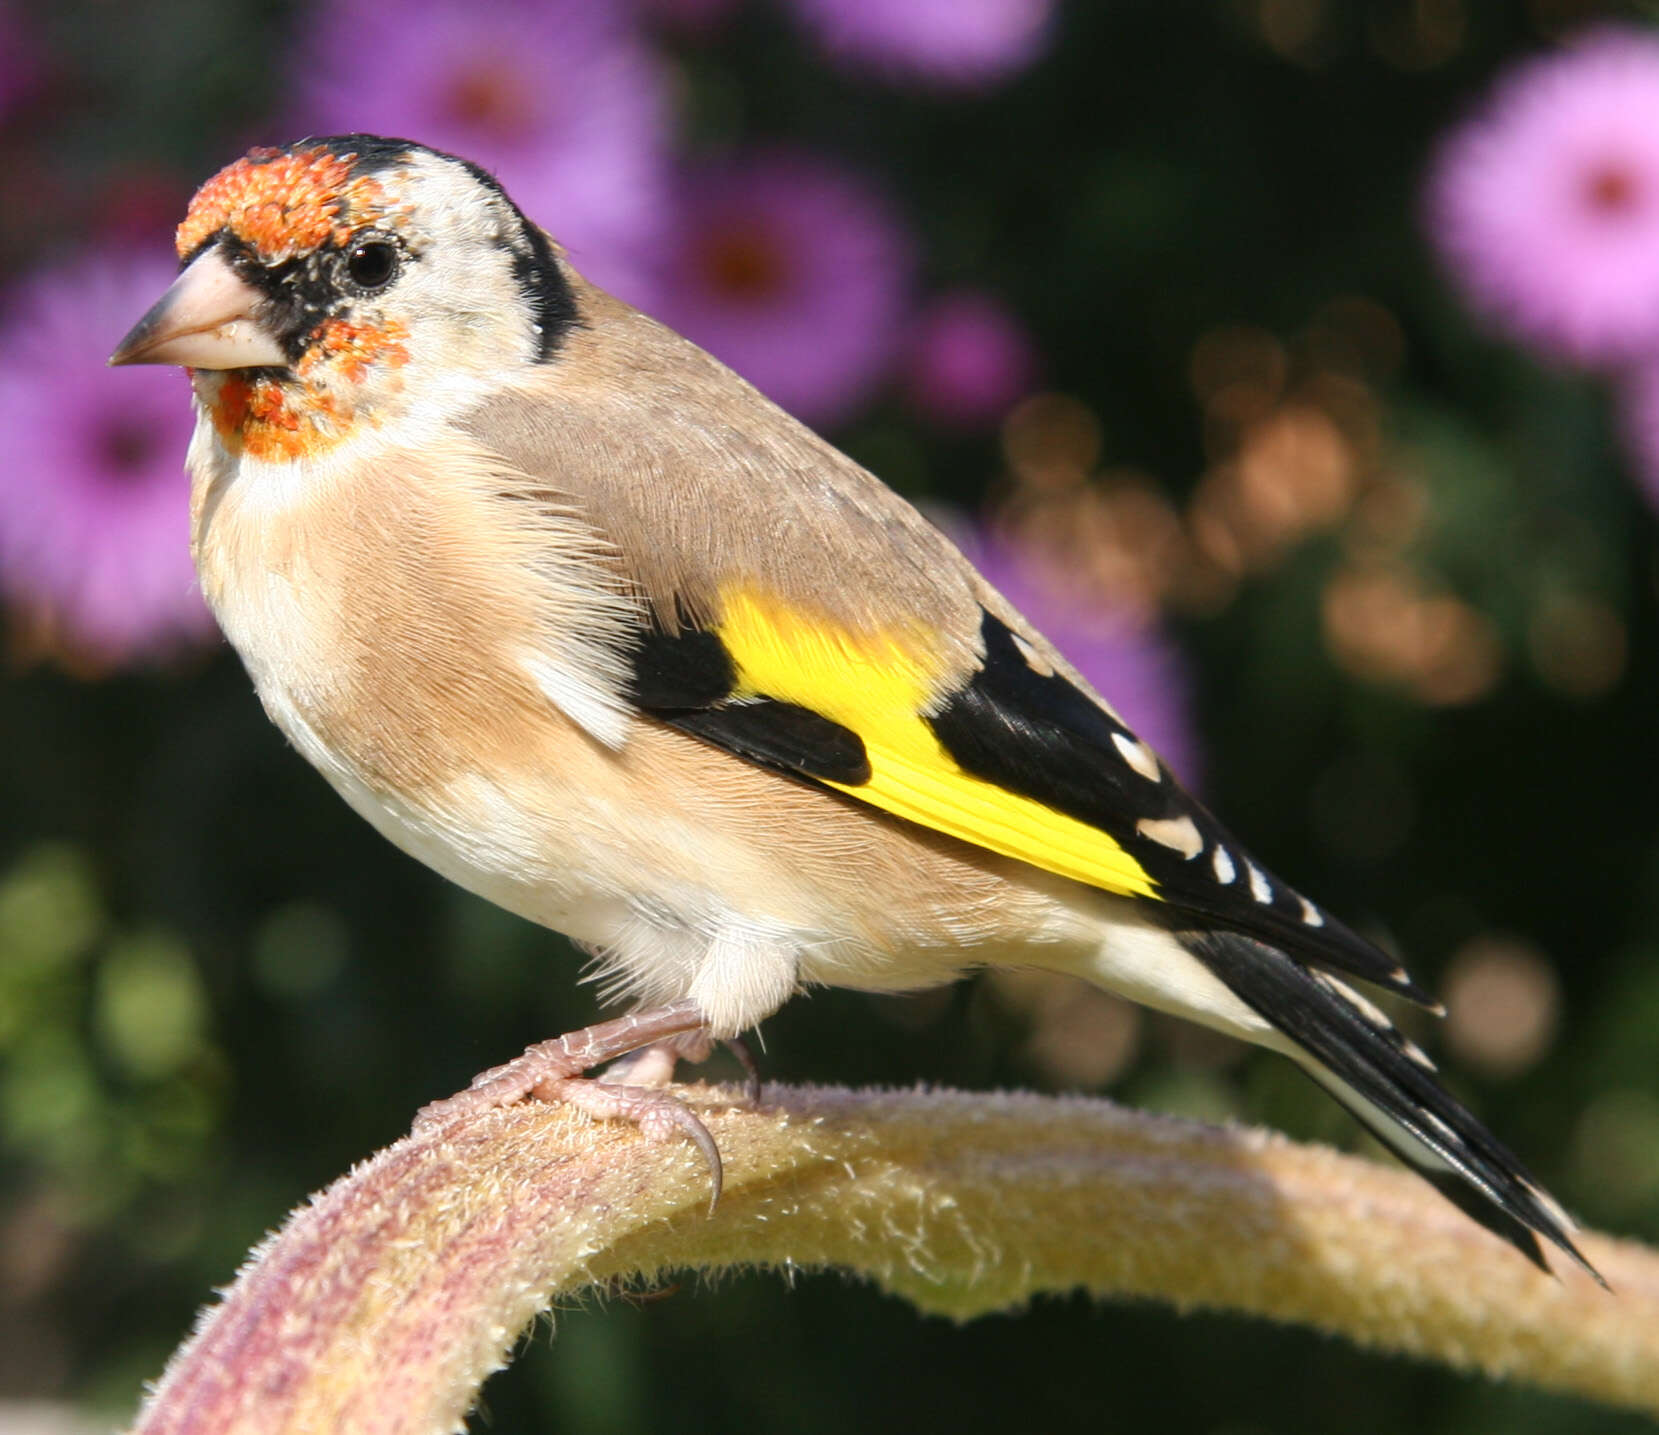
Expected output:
(206, 320)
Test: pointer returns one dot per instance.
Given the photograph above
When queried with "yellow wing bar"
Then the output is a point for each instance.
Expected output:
(879, 688)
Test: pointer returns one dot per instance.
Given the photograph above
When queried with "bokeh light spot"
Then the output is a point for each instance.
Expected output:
(150, 1010)
(1503, 1004)
(299, 950)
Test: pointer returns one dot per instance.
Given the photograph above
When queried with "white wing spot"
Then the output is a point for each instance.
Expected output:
(1260, 888)
(1221, 860)
(1179, 834)
(1033, 659)
(1138, 755)
(1311, 914)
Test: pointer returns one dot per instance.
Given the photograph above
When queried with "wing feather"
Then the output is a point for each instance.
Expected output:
(1352, 1051)
(1016, 759)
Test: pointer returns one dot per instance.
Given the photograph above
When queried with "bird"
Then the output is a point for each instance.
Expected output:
(573, 614)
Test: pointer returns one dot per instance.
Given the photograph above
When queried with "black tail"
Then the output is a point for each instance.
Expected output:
(1352, 1050)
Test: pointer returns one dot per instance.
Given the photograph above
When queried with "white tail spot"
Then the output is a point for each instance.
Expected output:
(1367, 1008)
(1552, 1207)
(1445, 1131)
(1417, 1054)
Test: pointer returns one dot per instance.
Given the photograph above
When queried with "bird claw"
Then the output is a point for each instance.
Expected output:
(751, 1070)
(659, 1115)
(553, 1071)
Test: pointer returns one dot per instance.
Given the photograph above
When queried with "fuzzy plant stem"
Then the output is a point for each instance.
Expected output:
(383, 1304)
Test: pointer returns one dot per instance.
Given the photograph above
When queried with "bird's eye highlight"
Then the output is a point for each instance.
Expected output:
(372, 263)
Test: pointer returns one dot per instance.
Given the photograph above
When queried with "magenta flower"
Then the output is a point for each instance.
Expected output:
(1127, 658)
(558, 98)
(795, 273)
(1545, 203)
(94, 502)
(968, 361)
(962, 43)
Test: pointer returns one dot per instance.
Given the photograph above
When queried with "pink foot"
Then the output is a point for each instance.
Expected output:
(654, 1065)
(552, 1071)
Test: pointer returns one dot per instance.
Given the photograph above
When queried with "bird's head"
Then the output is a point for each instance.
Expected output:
(340, 283)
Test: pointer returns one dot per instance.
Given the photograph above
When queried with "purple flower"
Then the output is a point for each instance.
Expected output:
(969, 359)
(1125, 657)
(964, 43)
(792, 271)
(94, 503)
(1545, 202)
(558, 98)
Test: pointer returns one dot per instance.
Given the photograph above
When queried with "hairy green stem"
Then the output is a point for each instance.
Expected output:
(383, 1304)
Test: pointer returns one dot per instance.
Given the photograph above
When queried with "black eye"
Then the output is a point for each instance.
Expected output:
(371, 263)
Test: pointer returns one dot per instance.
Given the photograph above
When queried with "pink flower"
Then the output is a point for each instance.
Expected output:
(1128, 660)
(94, 502)
(558, 98)
(949, 42)
(795, 273)
(1545, 202)
(968, 361)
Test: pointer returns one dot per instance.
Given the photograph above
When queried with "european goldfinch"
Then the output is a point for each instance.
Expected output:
(573, 614)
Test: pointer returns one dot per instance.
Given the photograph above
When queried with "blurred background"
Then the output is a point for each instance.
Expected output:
(1295, 363)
